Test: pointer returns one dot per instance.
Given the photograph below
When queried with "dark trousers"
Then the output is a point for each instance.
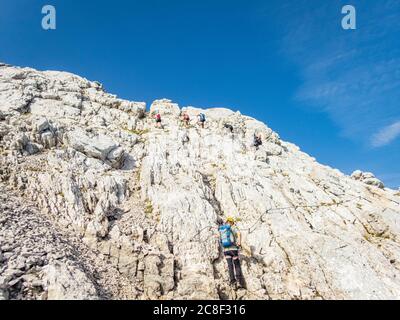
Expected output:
(232, 257)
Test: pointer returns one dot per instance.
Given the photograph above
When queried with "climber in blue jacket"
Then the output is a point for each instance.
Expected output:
(231, 243)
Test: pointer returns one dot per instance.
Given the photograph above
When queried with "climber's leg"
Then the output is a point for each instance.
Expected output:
(228, 256)
(238, 269)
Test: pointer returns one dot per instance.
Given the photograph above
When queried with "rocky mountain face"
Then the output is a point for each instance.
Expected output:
(98, 203)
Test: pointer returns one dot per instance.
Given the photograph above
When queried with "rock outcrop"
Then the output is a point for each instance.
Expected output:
(368, 178)
(97, 203)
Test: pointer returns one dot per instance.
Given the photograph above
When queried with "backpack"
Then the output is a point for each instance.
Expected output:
(202, 117)
(226, 234)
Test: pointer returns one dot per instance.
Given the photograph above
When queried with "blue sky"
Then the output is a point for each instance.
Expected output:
(333, 92)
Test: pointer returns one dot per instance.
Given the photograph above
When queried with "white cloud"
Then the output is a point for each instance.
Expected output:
(386, 135)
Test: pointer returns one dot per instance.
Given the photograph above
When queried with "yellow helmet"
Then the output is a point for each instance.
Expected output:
(230, 219)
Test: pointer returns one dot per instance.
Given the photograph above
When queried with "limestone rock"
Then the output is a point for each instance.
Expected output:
(42, 125)
(97, 146)
(67, 283)
(48, 139)
(97, 203)
(367, 178)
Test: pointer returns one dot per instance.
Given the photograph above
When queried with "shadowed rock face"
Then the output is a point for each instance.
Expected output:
(136, 208)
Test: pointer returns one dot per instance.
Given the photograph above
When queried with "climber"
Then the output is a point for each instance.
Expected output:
(229, 127)
(157, 117)
(186, 119)
(257, 141)
(202, 119)
(231, 242)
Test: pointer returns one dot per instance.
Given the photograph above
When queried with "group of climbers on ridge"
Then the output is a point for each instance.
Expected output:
(185, 120)
(184, 117)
